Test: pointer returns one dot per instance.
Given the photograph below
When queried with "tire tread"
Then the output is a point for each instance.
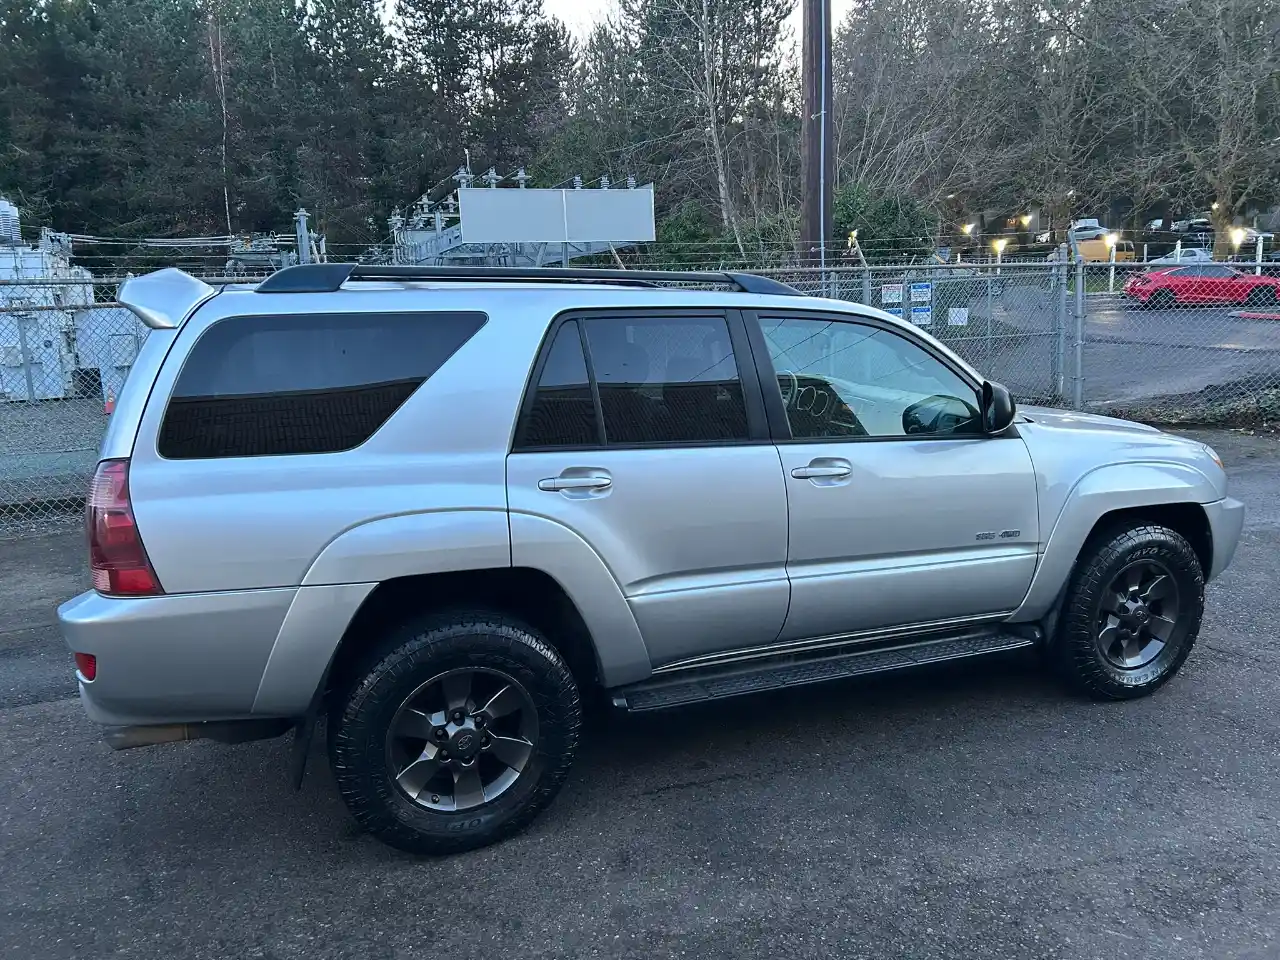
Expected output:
(1075, 655)
(396, 658)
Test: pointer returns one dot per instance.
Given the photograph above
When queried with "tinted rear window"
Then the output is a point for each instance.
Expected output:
(260, 386)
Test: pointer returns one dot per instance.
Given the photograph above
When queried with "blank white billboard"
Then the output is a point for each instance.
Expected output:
(556, 216)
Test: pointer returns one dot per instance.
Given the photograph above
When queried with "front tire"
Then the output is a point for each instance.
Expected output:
(458, 736)
(1131, 614)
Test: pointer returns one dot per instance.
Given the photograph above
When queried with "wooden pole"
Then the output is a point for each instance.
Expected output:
(817, 154)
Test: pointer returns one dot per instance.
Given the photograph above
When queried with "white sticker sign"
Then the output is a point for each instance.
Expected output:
(958, 316)
(922, 292)
(891, 293)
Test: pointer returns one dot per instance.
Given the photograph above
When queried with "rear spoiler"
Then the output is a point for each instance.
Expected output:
(163, 300)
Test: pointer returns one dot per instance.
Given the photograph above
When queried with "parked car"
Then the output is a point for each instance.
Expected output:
(442, 506)
(1204, 283)
(1099, 249)
(1187, 255)
(1197, 232)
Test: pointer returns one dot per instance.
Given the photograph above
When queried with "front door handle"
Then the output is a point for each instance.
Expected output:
(824, 469)
(575, 483)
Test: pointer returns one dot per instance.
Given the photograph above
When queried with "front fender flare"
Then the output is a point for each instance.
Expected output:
(1120, 486)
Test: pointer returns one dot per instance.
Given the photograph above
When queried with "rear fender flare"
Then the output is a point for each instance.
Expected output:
(557, 551)
(347, 570)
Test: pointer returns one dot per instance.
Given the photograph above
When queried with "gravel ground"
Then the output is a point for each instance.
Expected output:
(971, 812)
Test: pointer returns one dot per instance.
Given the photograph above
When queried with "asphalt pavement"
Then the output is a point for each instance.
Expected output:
(972, 812)
(1135, 354)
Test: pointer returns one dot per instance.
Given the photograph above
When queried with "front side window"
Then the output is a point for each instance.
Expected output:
(315, 383)
(843, 380)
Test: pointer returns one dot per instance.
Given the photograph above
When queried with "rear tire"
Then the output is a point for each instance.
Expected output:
(1131, 614)
(480, 683)
(1162, 300)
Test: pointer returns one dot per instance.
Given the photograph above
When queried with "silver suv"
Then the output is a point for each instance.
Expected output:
(439, 507)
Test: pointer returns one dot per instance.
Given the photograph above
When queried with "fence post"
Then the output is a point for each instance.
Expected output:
(1058, 363)
(1077, 382)
(866, 285)
(25, 349)
(991, 313)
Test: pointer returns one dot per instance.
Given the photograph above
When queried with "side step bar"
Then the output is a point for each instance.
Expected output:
(732, 682)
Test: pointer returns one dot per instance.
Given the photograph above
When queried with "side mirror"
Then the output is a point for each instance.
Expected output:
(998, 409)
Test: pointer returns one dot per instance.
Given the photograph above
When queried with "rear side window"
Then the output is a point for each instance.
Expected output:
(653, 381)
(667, 380)
(262, 386)
(563, 411)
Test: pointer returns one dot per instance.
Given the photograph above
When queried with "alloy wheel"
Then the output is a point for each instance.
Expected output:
(1139, 613)
(462, 739)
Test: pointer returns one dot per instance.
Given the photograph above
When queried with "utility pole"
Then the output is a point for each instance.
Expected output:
(817, 153)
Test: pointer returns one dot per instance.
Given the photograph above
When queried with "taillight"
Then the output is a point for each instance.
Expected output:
(87, 664)
(117, 558)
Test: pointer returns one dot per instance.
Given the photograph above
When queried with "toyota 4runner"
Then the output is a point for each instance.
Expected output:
(439, 506)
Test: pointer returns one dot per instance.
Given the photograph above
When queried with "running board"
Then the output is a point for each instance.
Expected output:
(716, 684)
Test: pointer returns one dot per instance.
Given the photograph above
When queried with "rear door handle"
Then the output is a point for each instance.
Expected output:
(575, 483)
(833, 469)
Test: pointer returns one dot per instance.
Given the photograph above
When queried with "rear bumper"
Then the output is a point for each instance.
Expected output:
(176, 659)
(1226, 520)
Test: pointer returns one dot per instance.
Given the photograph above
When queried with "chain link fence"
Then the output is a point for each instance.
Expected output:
(1191, 344)
(1172, 343)
(65, 350)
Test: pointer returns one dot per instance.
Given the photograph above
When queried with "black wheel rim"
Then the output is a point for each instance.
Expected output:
(462, 739)
(1138, 616)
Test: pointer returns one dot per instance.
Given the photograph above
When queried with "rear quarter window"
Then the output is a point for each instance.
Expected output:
(310, 383)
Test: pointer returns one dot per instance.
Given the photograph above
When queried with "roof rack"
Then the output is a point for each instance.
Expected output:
(329, 277)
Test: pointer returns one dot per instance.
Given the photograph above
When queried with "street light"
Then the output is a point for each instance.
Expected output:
(1237, 237)
(998, 244)
(967, 228)
(1111, 239)
(1025, 219)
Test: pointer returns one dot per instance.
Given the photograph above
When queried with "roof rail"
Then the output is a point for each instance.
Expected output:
(328, 277)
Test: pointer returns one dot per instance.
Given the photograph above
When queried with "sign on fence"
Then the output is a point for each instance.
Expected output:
(891, 293)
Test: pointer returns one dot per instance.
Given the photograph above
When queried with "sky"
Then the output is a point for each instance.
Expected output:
(581, 14)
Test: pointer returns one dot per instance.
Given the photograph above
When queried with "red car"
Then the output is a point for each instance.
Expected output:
(1203, 283)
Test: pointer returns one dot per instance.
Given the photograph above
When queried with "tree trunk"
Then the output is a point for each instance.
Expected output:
(711, 97)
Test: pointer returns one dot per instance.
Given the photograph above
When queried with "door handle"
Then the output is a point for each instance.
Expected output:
(575, 483)
(824, 470)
